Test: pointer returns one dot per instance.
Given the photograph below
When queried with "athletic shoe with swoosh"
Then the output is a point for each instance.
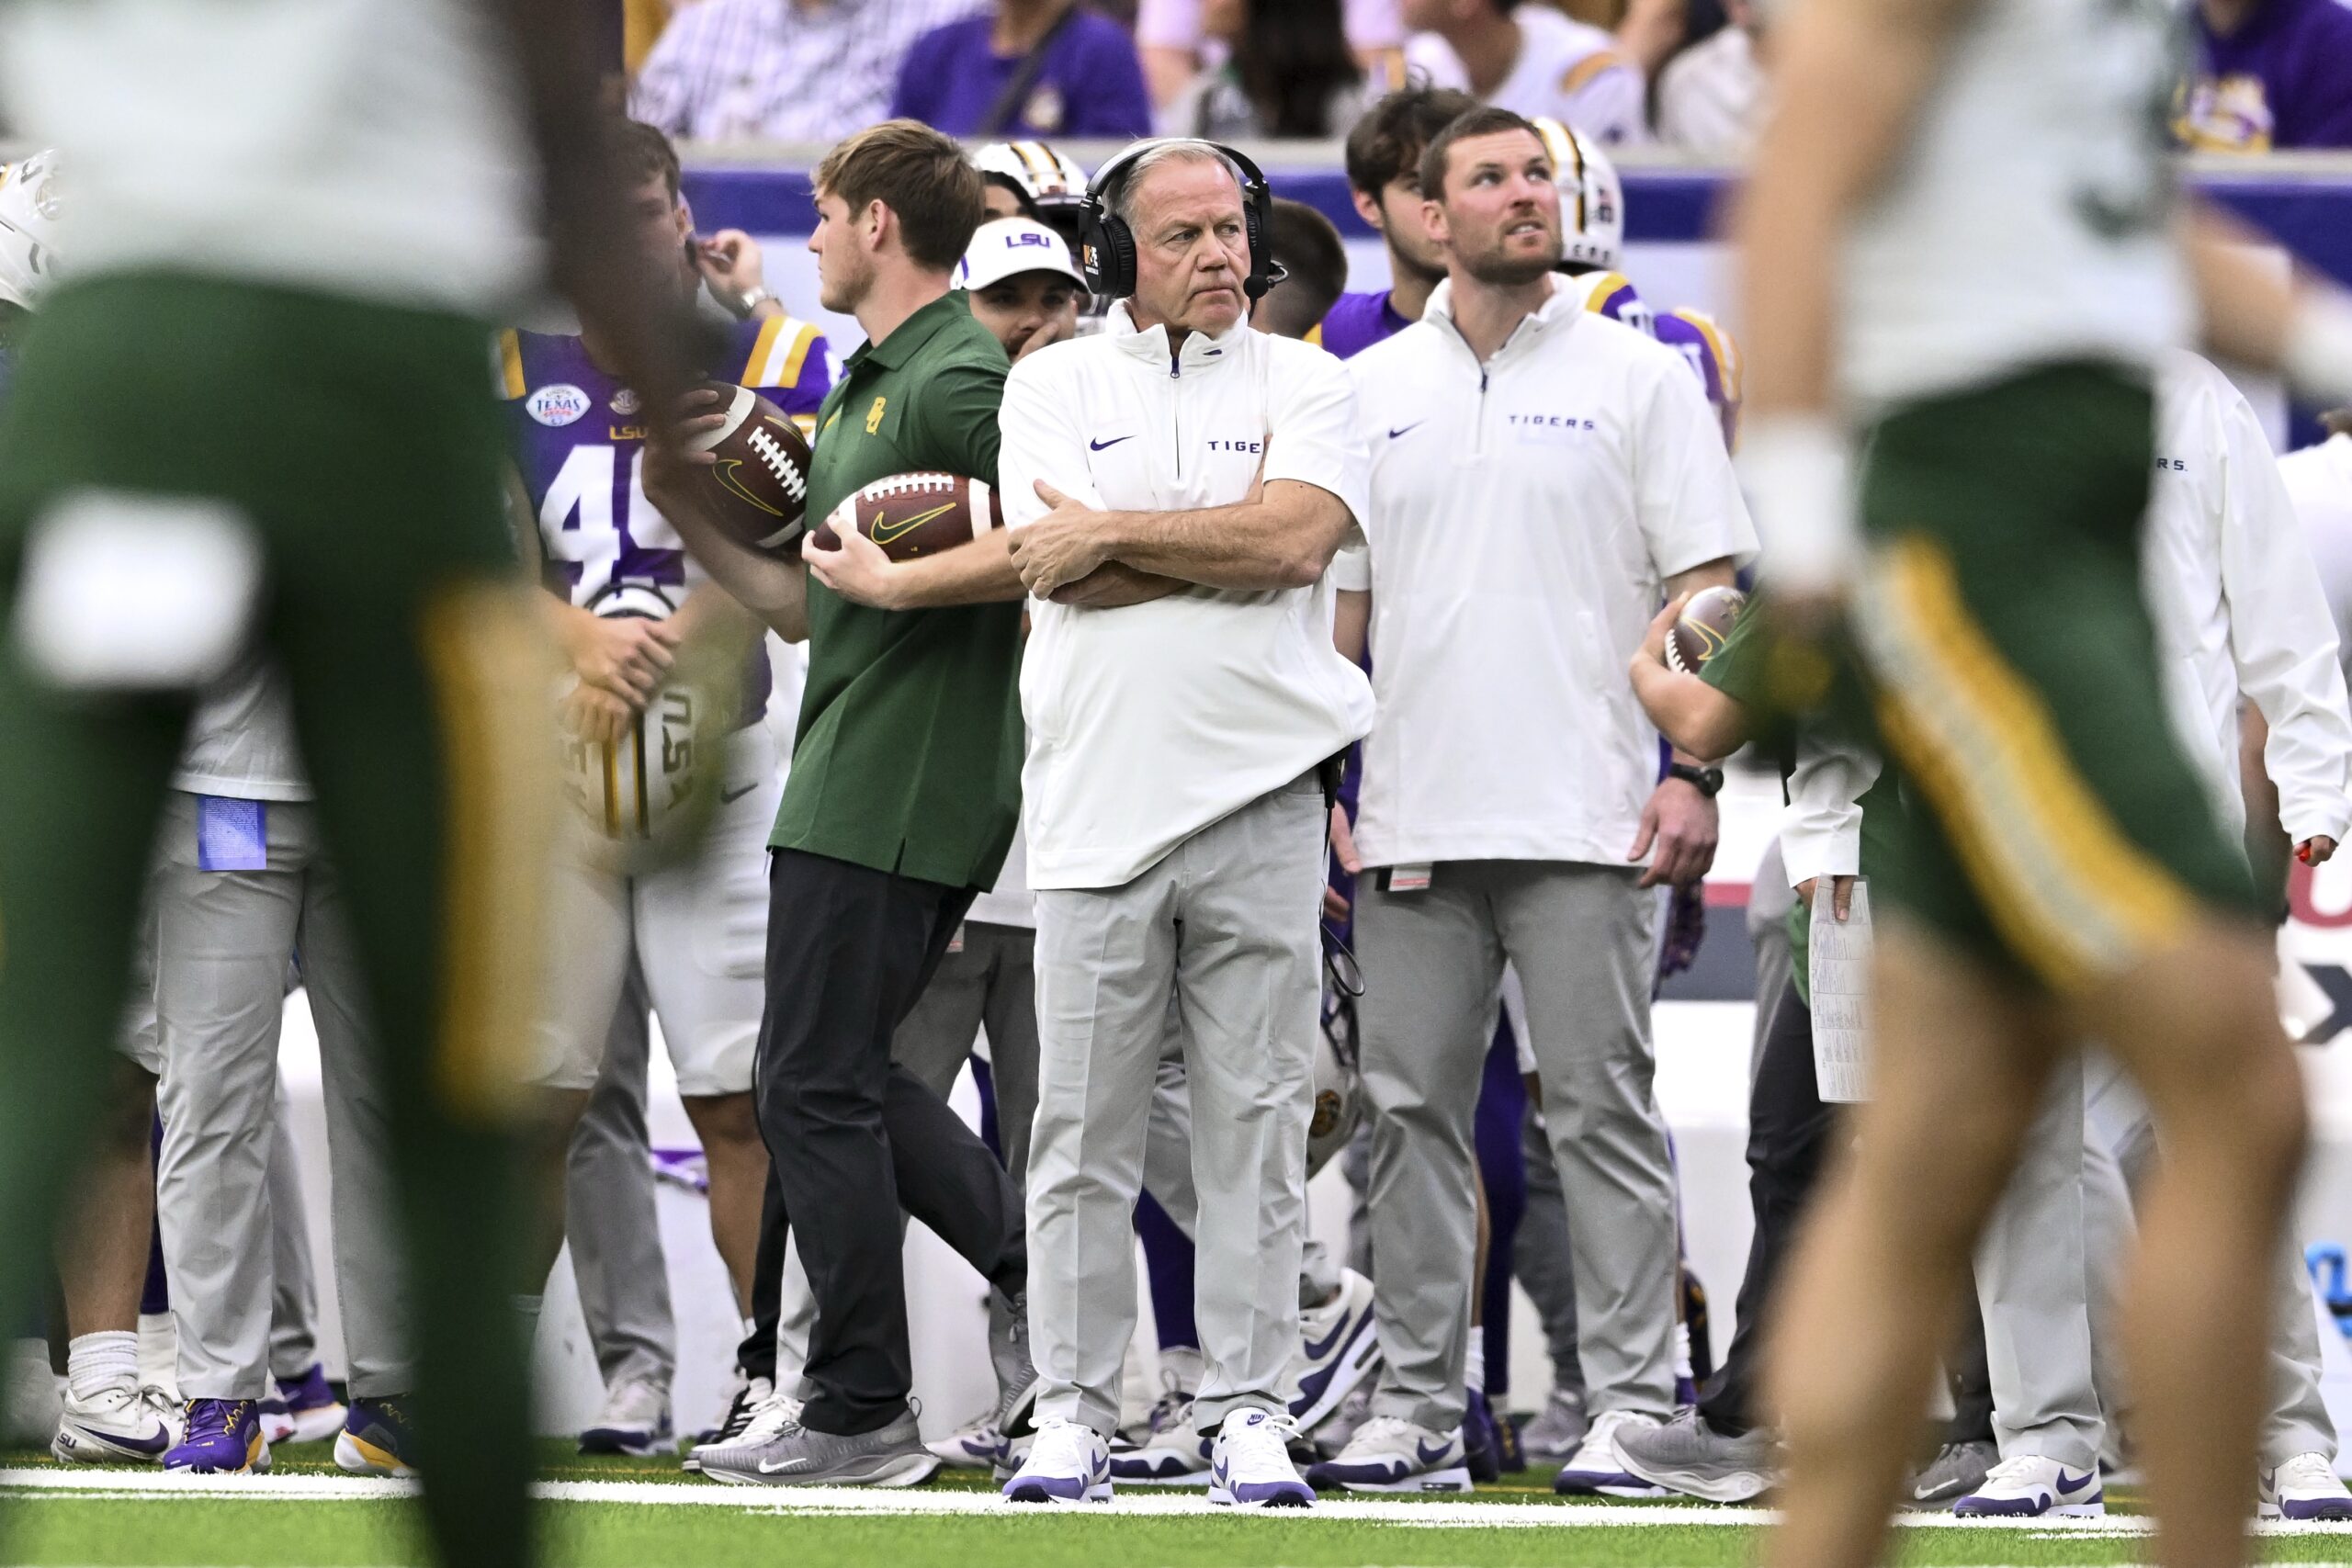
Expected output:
(1391, 1454)
(2032, 1487)
(1249, 1463)
(122, 1423)
(799, 1456)
(223, 1438)
(377, 1439)
(1340, 1347)
(2305, 1487)
(1067, 1463)
(1597, 1468)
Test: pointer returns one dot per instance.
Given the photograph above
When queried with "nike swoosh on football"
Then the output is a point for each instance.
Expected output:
(2069, 1488)
(1426, 1458)
(885, 530)
(1099, 445)
(1406, 429)
(726, 795)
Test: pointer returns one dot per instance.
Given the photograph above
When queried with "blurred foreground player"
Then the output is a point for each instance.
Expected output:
(2064, 875)
(328, 265)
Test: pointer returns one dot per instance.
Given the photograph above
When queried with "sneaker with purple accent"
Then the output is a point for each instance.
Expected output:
(1249, 1463)
(376, 1439)
(1391, 1454)
(120, 1423)
(1068, 1462)
(2032, 1487)
(1597, 1468)
(1338, 1347)
(223, 1439)
(2305, 1487)
(304, 1410)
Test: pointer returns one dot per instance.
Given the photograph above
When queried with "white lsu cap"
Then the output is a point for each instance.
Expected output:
(1007, 247)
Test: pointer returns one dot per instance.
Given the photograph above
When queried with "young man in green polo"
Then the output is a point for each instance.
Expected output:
(905, 787)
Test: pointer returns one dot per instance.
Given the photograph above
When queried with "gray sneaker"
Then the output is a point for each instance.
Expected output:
(795, 1456)
(1689, 1456)
(1957, 1470)
(1016, 1378)
(1558, 1428)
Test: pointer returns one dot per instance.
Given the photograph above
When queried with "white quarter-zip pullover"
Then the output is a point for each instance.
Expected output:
(1525, 514)
(1148, 723)
(2238, 606)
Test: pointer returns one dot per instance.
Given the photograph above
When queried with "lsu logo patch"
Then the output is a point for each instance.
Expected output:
(873, 416)
(556, 405)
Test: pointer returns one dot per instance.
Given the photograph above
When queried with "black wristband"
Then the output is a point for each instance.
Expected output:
(1707, 782)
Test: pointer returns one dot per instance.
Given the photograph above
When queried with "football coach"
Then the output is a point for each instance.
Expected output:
(1175, 487)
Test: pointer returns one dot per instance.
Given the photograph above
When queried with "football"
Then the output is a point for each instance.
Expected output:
(647, 794)
(915, 515)
(1702, 628)
(759, 487)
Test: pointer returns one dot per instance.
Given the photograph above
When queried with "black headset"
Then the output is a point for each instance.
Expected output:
(1107, 246)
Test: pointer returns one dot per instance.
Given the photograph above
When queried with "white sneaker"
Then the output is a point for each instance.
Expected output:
(1337, 1348)
(976, 1447)
(1173, 1455)
(2032, 1487)
(1391, 1454)
(634, 1421)
(2305, 1487)
(1249, 1463)
(122, 1423)
(1597, 1468)
(1067, 1463)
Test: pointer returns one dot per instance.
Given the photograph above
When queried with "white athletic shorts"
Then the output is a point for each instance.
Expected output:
(698, 930)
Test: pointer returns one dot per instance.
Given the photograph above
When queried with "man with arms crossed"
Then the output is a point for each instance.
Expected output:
(1175, 816)
(2065, 876)
(1541, 475)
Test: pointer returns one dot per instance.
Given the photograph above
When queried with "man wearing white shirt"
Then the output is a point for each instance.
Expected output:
(2319, 482)
(1531, 60)
(1175, 487)
(1542, 477)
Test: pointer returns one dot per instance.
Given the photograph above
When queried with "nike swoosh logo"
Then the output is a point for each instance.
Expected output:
(727, 795)
(767, 1468)
(1099, 445)
(1426, 1458)
(1404, 429)
(2068, 1488)
(1316, 1351)
(724, 472)
(885, 530)
(154, 1445)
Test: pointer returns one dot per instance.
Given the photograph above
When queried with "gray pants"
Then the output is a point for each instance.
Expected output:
(222, 942)
(2032, 1285)
(610, 1219)
(294, 1303)
(990, 983)
(2298, 1421)
(1227, 921)
(1583, 939)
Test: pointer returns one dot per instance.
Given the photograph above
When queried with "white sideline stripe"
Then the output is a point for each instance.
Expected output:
(151, 1486)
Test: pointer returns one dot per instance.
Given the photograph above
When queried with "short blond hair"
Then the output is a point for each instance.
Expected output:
(922, 176)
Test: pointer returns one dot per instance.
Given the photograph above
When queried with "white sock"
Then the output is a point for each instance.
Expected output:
(1474, 1369)
(95, 1362)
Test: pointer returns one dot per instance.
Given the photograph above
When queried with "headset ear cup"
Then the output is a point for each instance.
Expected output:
(1119, 258)
(1253, 231)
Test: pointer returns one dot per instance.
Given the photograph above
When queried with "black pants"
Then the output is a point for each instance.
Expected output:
(851, 1139)
(1789, 1132)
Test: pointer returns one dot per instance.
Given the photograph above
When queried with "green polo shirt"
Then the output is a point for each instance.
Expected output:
(909, 751)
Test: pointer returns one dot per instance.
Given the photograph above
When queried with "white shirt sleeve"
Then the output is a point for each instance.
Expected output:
(1685, 493)
(1041, 436)
(1311, 431)
(2282, 636)
(1821, 832)
(1351, 570)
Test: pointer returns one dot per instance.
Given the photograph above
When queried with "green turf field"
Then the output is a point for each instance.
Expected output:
(644, 1514)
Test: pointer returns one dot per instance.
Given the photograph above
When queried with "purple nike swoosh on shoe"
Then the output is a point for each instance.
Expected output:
(1422, 1451)
(1315, 1351)
(154, 1445)
(2068, 1488)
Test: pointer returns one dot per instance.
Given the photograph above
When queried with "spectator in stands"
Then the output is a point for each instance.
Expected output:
(784, 70)
(1176, 44)
(1531, 60)
(2270, 75)
(1025, 68)
(1315, 266)
(1711, 97)
(1287, 72)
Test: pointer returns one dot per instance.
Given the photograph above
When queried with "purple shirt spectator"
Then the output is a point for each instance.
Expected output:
(2270, 75)
(1090, 85)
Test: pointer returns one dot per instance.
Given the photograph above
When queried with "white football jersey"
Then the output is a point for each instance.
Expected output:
(2027, 219)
